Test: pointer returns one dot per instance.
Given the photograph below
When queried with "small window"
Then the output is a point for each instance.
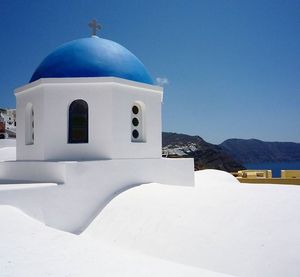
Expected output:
(137, 123)
(78, 122)
(29, 124)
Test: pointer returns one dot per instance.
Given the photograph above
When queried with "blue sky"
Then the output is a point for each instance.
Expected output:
(233, 67)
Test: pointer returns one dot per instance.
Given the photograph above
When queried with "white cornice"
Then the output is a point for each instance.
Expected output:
(87, 80)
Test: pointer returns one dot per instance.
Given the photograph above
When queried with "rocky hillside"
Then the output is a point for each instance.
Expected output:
(257, 151)
(206, 155)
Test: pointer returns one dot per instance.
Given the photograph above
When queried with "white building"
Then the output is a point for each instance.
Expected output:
(88, 119)
(89, 126)
(8, 118)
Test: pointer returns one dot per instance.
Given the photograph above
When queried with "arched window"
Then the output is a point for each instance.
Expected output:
(29, 124)
(78, 122)
(137, 123)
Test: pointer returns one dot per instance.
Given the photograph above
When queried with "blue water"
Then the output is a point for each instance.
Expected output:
(275, 167)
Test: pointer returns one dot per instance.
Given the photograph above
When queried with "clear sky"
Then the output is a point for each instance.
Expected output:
(231, 68)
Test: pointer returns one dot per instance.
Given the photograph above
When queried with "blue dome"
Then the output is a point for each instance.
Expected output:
(92, 57)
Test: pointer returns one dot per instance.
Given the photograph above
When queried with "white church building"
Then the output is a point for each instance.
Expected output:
(88, 128)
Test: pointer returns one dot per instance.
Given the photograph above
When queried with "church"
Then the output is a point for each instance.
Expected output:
(89, 128)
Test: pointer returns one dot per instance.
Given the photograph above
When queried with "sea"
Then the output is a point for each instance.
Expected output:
(275, 167)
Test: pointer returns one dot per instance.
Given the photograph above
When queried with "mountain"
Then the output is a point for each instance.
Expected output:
(257, 151)
(206, 155)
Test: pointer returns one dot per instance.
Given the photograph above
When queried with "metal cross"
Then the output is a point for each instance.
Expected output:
(94, 26)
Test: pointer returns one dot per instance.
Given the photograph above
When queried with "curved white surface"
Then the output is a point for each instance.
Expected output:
(29, 248)
(221, 225)
(7, 150)
(7, 143)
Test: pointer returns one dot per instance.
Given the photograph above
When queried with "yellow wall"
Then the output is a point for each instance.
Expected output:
(255, 174)
(290, 174)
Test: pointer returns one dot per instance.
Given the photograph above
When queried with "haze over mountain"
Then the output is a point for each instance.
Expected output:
(257, 151)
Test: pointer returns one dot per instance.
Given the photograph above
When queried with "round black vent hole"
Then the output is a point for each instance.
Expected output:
(135, 109)
(135, 134)
(135, 121)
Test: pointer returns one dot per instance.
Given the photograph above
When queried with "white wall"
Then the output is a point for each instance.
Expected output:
(35, 96)
(85, 187)
(123, 99)
(110, 101)
(58, 98)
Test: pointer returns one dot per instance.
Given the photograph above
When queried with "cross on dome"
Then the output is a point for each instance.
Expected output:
(94, 26)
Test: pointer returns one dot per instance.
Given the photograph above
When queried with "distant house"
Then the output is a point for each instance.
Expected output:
(8, 126)
(2, 127)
